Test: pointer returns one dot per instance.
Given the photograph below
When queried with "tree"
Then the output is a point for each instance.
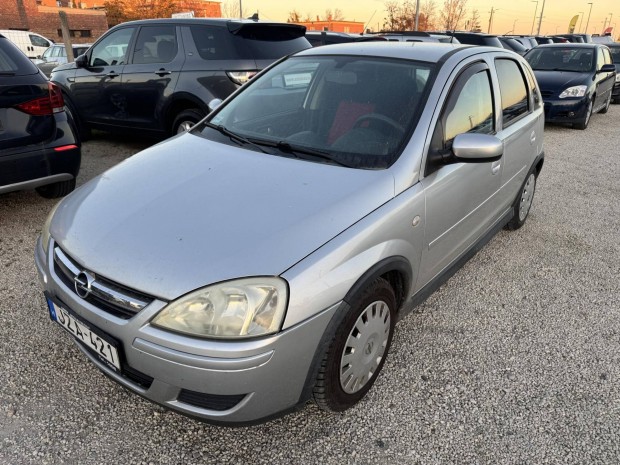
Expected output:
(293, 17)
(427, 16)
(336, 15)
(473, 23)
(115, 12)
(230, 9)
(453, 13)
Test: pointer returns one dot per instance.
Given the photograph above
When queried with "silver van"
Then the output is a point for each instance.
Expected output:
(262, 258)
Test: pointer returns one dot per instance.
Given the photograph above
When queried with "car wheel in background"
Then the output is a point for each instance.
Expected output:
(605, 109)
(58, 189)
(586, 120)
(83, 131)
(359, 348)
(185, 120)
(523, 202)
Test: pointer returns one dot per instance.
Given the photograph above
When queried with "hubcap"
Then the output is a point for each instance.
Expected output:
(184, 126)
(589, 112)
(365, 347)
(526, 197)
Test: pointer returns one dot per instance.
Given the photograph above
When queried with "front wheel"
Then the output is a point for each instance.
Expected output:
(523, 203)
(605, 109)
(586, 120)
(359, 348)
(57, 189)
(185, 120)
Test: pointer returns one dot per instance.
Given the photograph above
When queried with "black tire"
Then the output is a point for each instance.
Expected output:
(83, 131)
(605, 109)
(523, 202)
(378, 303)
(583, 124)
(191, 116)
(58, 189)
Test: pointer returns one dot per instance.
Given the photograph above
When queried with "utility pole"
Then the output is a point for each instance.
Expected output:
(605, 24)
(240, 10)
(610, 15)
(534, 20)
(417, 14)
(542, 10)
(581, 22)
(493, 10)
(588, 21)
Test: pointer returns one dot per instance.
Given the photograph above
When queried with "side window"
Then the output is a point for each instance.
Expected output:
(469, 108)
(56, 52)
(513, 90)
(534, 86)
(600, 60)
(38, 41)
(112, 50)
(472, 110)
(607, 55)
(214, 43)
(155, 44)
(48, 53)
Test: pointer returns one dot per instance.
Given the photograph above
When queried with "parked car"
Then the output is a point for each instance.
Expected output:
(527, 41)
(38, 146)
(576, 80)
(57, 55)
(573, 38)
(541, 40)
(476, 38)
(510, 43)
(30, 43)
(156, 76)
(262, 258)
(318, 38)
(615, 56)
(417, 36)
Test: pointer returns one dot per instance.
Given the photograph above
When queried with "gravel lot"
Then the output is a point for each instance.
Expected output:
(515, 360)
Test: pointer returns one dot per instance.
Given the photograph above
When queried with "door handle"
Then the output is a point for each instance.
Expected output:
(495, 167)
(112, 74)
(162, 72)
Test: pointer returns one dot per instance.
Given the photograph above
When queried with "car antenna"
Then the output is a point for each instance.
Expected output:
(452, 36)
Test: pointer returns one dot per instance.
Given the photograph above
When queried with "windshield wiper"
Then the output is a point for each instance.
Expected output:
(287, 147)
(234, 136)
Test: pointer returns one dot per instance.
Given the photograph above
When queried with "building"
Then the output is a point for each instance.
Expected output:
(351, 27)
(201, 8)
(86, 23)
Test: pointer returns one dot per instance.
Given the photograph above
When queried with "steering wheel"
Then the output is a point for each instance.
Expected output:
(379, 118)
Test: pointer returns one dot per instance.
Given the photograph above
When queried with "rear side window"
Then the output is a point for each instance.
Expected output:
(156, 44)
(13, 62)
(513, 90)
(253, 43)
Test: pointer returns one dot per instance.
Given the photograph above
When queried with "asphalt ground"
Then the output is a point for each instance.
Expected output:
(515, 360)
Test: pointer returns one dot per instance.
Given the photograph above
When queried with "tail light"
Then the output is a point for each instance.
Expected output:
(52, 103)
(240, 77)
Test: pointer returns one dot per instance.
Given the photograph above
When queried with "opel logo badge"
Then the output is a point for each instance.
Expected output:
(83, 283)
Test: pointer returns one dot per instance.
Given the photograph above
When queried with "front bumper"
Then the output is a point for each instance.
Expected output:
(217, 381)
(566, 110)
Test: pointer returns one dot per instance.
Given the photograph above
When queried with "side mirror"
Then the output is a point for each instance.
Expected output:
(477, 148)
(81, 61)
(213, 104)
(607, 69)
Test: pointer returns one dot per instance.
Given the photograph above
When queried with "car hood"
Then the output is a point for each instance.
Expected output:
(560, 80)
(190, 212)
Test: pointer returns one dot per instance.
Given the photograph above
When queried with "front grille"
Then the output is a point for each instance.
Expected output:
(103, 293)
(210, 401)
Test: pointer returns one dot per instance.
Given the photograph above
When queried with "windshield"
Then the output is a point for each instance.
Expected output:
(351, 111)
(579, 60)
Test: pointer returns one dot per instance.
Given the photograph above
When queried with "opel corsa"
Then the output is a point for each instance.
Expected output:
(261, 259)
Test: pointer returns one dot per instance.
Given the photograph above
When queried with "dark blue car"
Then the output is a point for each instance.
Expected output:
(615, 56)
(575, 80)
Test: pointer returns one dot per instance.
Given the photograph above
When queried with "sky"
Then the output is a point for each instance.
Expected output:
(508, 13)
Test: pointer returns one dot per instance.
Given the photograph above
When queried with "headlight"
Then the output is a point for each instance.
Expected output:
(576, 91)
(45, 232)
(617, 77)
(241, 308)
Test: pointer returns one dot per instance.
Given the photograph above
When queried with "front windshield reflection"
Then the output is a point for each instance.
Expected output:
(355, 111)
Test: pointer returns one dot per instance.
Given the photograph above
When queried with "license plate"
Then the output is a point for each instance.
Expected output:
(105, 349)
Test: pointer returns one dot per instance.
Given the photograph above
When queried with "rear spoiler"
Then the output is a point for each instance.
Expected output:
(293, 30)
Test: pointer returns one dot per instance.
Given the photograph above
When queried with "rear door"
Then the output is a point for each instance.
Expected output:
(461, 198)
(151, 75)
(96, 90)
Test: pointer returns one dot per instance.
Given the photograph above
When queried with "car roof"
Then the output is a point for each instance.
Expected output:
(204, 21)
(570, 45)
(432, 52)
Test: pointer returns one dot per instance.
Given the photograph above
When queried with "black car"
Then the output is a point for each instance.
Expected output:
(476, 38)
(510, 43)
(57, 55)
(38, 144)
(158, 76)
(318, 38)
(575, 80)
(615, 56)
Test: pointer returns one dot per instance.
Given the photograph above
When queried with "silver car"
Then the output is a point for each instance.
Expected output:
(261, 259)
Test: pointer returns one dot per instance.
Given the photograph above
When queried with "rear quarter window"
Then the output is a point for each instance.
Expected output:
(13, 61)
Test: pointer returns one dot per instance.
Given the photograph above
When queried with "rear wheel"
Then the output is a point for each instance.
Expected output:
(359, 348)
(58, 189)
(185, 120)
(523, 203)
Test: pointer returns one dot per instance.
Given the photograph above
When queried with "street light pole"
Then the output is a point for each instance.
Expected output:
(493, 10)
(417, 14)
(588, 21)
(580, 22)
(542, 10)
(534, 20)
